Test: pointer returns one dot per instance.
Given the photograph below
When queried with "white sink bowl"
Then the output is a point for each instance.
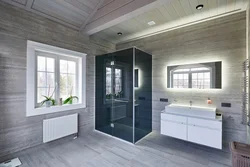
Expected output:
(204, 112)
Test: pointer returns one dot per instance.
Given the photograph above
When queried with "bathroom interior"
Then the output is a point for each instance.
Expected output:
(98, 83)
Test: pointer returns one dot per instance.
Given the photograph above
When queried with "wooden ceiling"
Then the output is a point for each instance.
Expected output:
(172, 15)
(72, 13)
(105, 18)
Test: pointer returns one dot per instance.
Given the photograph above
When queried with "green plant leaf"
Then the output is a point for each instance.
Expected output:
(41, 104)
(67, 100)
(53, 102)
(47, 98)
(74, 97)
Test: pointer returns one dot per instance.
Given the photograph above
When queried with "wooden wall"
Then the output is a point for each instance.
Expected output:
(18, 132)
(222, 39)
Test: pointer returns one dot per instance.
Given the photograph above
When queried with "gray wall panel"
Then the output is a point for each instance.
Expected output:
(18, 132)
(222, 39)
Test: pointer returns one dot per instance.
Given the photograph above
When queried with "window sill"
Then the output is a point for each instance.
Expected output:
(53, 109)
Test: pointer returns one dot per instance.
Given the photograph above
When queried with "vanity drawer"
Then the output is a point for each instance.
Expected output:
(205, 123)
(173, 118)
(205, 136)
(174, 129)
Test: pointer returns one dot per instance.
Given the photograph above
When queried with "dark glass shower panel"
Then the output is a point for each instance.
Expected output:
(114, 94)
(143, 94)
(103, 110)
(123, 100)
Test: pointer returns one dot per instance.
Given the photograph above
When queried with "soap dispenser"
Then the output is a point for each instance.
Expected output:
(209, 101)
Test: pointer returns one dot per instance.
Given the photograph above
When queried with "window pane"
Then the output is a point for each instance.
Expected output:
(108, 80)
(194, 75)
(51, 79)
(118, 85)
(40, 92)
(40, 63)
(71, 81)
(180, 80)
(63, 86)
(175, 76)
(50, 64)
(201, 80)
(63, 66)
(207, 75)
(185, 76)
(207, 82)
(118, 73)
(50, 91)
(71, 67)
(72, 91)
(41, 80)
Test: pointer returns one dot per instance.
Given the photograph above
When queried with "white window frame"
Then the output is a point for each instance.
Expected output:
(31, 82)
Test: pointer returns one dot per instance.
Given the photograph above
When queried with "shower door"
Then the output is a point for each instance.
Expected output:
(115, 94)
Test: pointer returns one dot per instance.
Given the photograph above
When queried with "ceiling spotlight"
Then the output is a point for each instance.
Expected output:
(119, 33)
(151, 23)
(199, 7)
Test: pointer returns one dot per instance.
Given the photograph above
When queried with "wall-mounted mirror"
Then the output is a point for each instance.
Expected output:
(196, 76)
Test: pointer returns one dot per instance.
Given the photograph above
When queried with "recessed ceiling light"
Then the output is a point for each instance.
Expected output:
(119, 33)
(199, 7)
(151, 23)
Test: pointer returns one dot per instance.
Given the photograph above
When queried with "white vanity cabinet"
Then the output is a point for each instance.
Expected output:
(202, 131)
(175, 126)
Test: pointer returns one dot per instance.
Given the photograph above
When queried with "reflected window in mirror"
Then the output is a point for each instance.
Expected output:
(197, 76)
(114, 80)
(118, 80)
(108, 81)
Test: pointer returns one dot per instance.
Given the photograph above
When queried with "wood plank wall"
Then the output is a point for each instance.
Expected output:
(222, 39)
(18, 132)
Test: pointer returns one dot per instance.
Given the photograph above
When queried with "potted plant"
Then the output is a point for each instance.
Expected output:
(119, 94)
(49, 101)
(108, 96)
(70, 99)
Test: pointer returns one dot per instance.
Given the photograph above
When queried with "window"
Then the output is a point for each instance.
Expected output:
(68, 78)
(118, 81)
(108, 81)
(199, 77)
(45, 77)
(201, 80)
(54, 73)
(114, 82)
(180, 80)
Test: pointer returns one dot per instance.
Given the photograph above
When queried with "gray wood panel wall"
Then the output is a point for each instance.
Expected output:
(18, 132)
(248, 55)
(222, 39)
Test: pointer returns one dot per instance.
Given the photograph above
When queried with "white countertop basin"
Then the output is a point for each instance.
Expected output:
(203, 112)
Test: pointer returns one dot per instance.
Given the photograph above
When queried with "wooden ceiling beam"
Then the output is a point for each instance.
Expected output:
(91, 15)
(29, 4)
(111, 14)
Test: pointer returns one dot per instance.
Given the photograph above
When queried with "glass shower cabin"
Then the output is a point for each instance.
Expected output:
(124, 94)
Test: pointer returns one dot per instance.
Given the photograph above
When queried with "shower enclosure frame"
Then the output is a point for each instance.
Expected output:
(133, 94)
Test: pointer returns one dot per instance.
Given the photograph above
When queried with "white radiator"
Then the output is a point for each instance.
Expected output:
(59, 127)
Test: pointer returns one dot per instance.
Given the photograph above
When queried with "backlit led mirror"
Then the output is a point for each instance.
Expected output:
(195, 76)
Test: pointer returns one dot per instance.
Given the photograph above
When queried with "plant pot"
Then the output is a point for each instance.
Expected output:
(48, 103)
(74, 101)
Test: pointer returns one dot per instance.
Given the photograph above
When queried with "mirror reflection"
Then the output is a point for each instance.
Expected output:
(195, 76)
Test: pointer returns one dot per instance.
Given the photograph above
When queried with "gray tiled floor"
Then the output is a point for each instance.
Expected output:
(98, 150)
